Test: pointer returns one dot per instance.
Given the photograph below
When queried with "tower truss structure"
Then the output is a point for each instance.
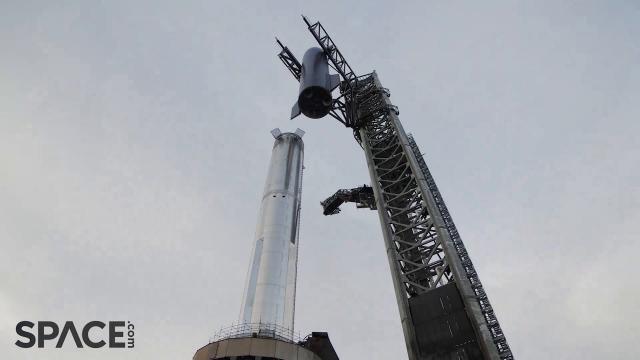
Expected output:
(444, 310)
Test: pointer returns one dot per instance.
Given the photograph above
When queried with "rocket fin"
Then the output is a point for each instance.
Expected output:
(295, 110)
(276, 132)
(334, 81)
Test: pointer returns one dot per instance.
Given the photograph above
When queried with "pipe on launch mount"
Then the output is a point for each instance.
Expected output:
(269, 295)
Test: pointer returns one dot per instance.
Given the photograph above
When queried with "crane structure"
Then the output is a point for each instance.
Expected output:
(362, 196)
(444, 310)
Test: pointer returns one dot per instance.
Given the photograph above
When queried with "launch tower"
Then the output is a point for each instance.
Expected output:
(444, 309)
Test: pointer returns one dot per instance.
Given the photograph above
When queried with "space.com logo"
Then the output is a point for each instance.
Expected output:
(94, 334)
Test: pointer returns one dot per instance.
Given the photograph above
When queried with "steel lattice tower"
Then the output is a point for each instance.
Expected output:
(444, 310)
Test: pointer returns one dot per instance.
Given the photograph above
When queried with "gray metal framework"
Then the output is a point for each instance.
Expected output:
(424, 248)
(444, 310)
(362, 196)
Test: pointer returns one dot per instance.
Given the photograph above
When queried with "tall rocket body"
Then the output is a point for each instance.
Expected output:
(269, 295)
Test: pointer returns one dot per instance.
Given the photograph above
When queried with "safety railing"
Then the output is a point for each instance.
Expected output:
(256, 330)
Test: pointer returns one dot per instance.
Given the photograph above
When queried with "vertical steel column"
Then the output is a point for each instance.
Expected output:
(422, 254)
(392, 255)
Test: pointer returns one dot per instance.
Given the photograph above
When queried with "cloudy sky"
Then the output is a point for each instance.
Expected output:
(134, 140)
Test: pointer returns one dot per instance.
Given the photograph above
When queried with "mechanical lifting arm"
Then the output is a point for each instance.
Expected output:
(362, 196)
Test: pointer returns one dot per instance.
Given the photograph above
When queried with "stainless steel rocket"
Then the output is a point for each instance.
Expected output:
(316, 84)
(269, 295)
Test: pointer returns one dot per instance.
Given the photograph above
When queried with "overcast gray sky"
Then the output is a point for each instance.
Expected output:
(134, 140)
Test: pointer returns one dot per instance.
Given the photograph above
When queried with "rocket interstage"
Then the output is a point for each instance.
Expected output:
(269, 295)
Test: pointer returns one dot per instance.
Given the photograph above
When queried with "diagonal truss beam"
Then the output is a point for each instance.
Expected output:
(424, 249)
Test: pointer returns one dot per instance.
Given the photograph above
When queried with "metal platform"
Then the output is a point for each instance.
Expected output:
(265, 342)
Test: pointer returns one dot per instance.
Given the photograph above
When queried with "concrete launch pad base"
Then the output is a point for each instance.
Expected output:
(316, 347)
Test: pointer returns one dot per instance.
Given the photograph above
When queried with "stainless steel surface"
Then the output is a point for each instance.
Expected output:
(314, 95)
(269, 296)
